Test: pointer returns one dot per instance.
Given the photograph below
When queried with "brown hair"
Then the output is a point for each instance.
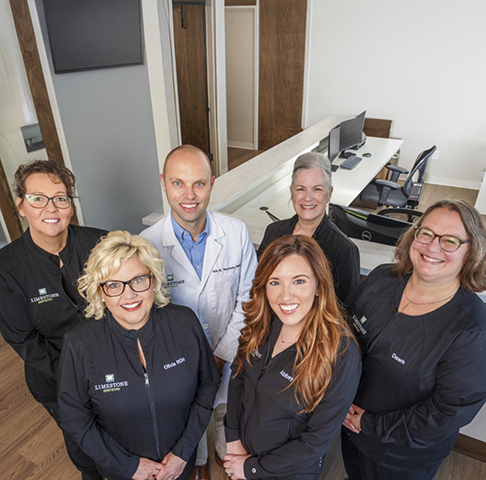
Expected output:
(473, 272)
(49, 167)
(320, 339)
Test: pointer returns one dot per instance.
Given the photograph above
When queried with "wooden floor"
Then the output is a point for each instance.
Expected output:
(432, 194)
(237, 156)
(32, 448)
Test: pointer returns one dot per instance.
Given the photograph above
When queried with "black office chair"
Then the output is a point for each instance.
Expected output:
(367, 226)
(389, 193)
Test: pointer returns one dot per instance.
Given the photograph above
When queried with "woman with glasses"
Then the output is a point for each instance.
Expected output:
(38, 273)
(422, 330)
(138, 380)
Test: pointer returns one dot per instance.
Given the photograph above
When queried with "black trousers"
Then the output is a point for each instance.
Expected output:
(81, 461)
(361, 467)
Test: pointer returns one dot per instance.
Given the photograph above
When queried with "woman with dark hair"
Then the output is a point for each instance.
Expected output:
(297, 367)
(422, 330)
(138, 380)
(311, 190)
(38, 273)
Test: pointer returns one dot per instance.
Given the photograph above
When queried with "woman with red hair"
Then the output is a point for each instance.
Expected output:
(297, 367)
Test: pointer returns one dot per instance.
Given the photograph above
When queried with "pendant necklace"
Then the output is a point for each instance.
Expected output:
(424, 303)
(283, 341)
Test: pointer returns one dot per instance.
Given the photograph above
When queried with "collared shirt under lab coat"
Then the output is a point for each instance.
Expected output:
(229, 267)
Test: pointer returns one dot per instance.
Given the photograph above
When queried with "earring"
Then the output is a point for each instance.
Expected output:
(317, 294)
(103, 300)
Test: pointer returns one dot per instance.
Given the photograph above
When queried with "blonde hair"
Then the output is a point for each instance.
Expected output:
(106, 259)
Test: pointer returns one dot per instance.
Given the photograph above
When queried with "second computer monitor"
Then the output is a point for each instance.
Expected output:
(346, 135)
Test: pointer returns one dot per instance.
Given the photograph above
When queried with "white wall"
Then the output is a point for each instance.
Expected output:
(16, 105)
(421, 64)
(240, 76)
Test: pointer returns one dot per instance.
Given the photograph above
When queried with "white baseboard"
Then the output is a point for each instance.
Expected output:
(246, 146)
(453, 182)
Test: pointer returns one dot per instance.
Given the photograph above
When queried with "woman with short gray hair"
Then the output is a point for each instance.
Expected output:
(311, 190)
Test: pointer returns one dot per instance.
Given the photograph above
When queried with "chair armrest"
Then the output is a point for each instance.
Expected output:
(397, 169)
(387, 183)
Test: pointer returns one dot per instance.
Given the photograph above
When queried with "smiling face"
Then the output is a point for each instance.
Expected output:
(310, 194)
(50, 222)
(430, 262)
(291, 291)
(130, 309)
(187, 181)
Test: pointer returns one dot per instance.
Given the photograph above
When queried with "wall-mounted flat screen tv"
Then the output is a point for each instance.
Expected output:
(92, 34)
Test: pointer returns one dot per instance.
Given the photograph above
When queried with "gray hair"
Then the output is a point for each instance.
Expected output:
(313, 160)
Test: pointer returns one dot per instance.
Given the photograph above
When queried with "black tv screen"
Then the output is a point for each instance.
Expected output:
(92, 34)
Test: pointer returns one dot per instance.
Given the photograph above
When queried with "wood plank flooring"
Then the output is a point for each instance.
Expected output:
(32, 447)
(238, 156)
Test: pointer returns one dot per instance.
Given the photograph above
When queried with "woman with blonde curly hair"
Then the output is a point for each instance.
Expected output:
(297, 367)
(137, 381)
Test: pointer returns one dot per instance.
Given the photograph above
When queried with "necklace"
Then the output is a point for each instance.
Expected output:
(424, 303)
(282, 341)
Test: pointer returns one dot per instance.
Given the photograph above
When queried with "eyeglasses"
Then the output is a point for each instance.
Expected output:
(41, 201)
(448, 243)
(137, 284)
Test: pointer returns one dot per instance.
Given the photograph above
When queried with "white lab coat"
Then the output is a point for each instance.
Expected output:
(229, 267)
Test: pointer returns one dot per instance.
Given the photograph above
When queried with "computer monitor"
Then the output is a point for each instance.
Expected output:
(347, 135)
(334, 142)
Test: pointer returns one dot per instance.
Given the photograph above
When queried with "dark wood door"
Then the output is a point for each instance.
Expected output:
(191, 64)
(281, 70)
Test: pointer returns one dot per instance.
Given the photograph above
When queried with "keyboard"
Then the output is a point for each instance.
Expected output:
(351, 162)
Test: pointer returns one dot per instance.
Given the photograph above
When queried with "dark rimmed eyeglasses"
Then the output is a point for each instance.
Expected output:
(41, 201)
(448, 243)
(137, 284)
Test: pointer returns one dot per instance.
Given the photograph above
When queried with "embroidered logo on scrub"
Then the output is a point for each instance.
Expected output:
(256, 353)
(174, 364)
(171, 283)
(111, 385)
(287, 376)
(358, 324)
(44, 296)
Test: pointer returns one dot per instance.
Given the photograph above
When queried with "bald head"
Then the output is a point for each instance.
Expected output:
(187, 151)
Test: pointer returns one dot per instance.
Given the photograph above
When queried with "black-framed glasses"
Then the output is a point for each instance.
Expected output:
(41, 201)
(137, 284)
(448, 243)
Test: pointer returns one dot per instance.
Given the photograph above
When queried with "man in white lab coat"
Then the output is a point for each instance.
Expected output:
(210, 264)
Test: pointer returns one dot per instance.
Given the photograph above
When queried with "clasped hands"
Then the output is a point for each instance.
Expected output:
(169, 469)
(235, 459)
(353, 418)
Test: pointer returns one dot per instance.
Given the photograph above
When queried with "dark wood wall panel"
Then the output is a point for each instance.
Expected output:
(281, 70)
(30, 54)
(7, 205)
(190, 47)
(37, 83)
(239, 3)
